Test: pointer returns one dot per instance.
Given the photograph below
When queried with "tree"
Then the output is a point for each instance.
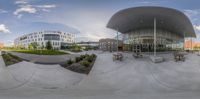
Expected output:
(42, 47)
(49, 46)
(76, 48)
(33, 45)
(30, 46)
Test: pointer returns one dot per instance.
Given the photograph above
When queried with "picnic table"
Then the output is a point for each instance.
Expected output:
(179, 57)
(137, 55)
(117, 56)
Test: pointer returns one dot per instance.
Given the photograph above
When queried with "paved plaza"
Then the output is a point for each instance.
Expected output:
(137, 78)
(45, 59)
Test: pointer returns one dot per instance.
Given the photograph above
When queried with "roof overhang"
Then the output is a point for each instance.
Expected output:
(143, 17)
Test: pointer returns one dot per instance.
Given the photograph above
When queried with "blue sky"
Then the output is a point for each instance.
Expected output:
(87, 18)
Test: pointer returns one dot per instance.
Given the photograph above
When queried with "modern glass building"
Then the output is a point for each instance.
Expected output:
(108, 44)
(139, 26)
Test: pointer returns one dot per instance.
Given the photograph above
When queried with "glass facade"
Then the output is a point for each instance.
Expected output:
(145, 38)
(51, 37)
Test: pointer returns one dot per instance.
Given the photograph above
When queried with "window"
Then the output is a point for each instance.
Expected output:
(51, 37)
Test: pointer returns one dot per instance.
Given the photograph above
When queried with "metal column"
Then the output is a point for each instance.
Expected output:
(184, 41)
(154, 36)
(117, 41)
(191, 44)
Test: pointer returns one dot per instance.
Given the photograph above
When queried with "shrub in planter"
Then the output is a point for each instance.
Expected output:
(78, 68)
(83, 69)
(15, 57)
(10, 59)
(69, 62)
(85, 63)
(93, 55)
(74, 67)
(82, 57)
(87, 55)
(78, 59)
(89, 58)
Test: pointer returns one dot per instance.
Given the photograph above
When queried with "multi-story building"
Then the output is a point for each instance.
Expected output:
(110, 44)
(93, 44)
(1, 45)
(190, 45)
(58, 39)
(89, 44)
(149, 26)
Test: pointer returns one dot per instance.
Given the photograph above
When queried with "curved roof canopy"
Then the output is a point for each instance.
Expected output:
(143, 17)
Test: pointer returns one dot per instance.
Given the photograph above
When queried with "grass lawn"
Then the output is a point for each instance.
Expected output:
(42, 52)
(10, 59)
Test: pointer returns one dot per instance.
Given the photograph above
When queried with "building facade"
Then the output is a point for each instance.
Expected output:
(1, 45)
(58, 39)
(94, 44)
(142, 25)
(110, 44)
(191, 45)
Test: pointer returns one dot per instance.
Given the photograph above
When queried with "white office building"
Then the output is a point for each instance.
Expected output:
(58, 39)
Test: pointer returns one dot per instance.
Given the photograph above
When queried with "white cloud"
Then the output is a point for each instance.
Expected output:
(21, 2)
(46, 10)
(3, 11)
(192, 13)
(90, 22)
(145, 3)
(4, 29)
(197, 27)
(46, 6)
(19, 16)
(25, 9)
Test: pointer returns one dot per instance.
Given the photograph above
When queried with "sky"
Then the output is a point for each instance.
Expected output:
(86, 18)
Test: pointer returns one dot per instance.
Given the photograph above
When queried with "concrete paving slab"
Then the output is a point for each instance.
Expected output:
(127, 79)
(45, 59)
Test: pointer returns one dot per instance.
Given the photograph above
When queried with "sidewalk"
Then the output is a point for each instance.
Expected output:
(2, 64)
(6, 79)
(68, 52)
(45, 59)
